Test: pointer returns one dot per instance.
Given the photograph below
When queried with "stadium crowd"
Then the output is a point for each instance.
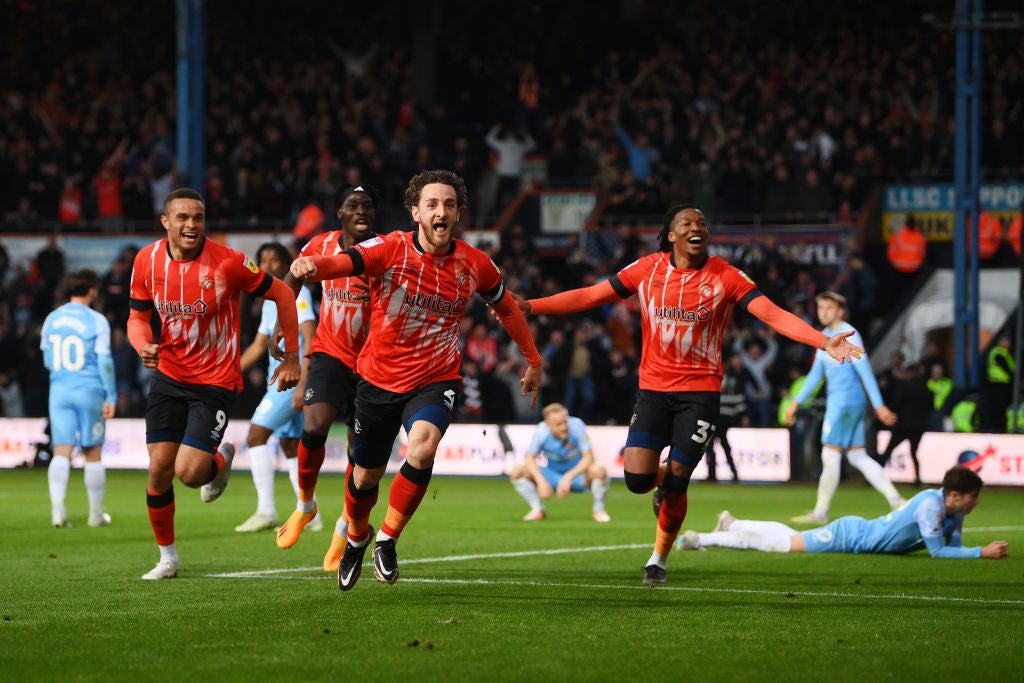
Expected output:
(775, 110)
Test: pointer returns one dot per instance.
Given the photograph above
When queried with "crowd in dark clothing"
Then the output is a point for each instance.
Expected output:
(779, 110)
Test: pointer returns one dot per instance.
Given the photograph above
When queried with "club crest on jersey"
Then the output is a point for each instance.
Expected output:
(705, 290)
(745, 277)
(251, 265)
(206, 282)
(461, 278)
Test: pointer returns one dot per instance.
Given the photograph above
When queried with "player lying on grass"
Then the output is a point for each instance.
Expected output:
(932, 519)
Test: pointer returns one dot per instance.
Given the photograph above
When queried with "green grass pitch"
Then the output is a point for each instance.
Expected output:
(486, 597)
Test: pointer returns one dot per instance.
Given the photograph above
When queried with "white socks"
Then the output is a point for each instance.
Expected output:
(658, 559)
(829, 480)
(528, 490)
(168, 553)
(95, 485)
(57, 475)
(599, 487)
(292, 464)
(748, 540)
(875, 475)
(762, 528)
(261, 462)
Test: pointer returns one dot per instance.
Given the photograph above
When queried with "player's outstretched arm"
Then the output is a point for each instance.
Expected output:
(786, 323)
(573, 300)
(320, 268)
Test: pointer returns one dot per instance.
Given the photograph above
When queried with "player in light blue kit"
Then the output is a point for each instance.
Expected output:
(845, 408)
(280, 412)
(75, 341)
(563, 440)
(932, 519)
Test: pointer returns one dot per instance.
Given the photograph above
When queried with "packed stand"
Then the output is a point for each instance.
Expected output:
(775, 111)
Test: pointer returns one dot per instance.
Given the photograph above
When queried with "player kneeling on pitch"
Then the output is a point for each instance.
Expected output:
(932, 519)
(563, 439)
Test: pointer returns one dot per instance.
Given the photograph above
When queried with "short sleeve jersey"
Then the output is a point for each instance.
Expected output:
(418, 302)
(73, 340)
(268, 322)
(197, 302)
(562, 454)
(344, 314)
(684, 312)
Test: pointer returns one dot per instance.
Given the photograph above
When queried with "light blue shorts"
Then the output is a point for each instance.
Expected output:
(843, 427)
(76, 416)
(554, 476)
(839, 536)
(275, 413)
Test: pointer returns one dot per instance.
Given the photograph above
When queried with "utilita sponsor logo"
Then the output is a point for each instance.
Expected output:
(179, 308)
(437, 304)
(678, 313)
(336, 294)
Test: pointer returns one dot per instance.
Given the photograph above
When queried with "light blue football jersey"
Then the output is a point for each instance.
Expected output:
(921, 522)
(75, 341)
(846, 382)
(562, 455)
(268, 321)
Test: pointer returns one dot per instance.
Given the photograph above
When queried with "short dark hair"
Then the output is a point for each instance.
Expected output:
(183, 193)
(276, 247)
(80, 282)
(961, 480)
(663, 243)
(424, 178)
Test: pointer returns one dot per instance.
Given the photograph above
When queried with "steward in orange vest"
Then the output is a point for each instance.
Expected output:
(907, 248)
(1013, 232)
(990, 234)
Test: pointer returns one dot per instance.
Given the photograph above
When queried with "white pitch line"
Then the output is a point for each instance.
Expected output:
(446, 558)
(274, 573)
(691, 589)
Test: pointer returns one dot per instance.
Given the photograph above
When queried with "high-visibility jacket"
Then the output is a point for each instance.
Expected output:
(941, 388)
(990, 233)
(1013, 233)
(1000, 372)
(963, 416)
(907, 250)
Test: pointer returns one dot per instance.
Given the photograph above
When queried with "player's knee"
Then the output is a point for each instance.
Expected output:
(317, 418)
(313, 441)
(675, 483)
(640, 483)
